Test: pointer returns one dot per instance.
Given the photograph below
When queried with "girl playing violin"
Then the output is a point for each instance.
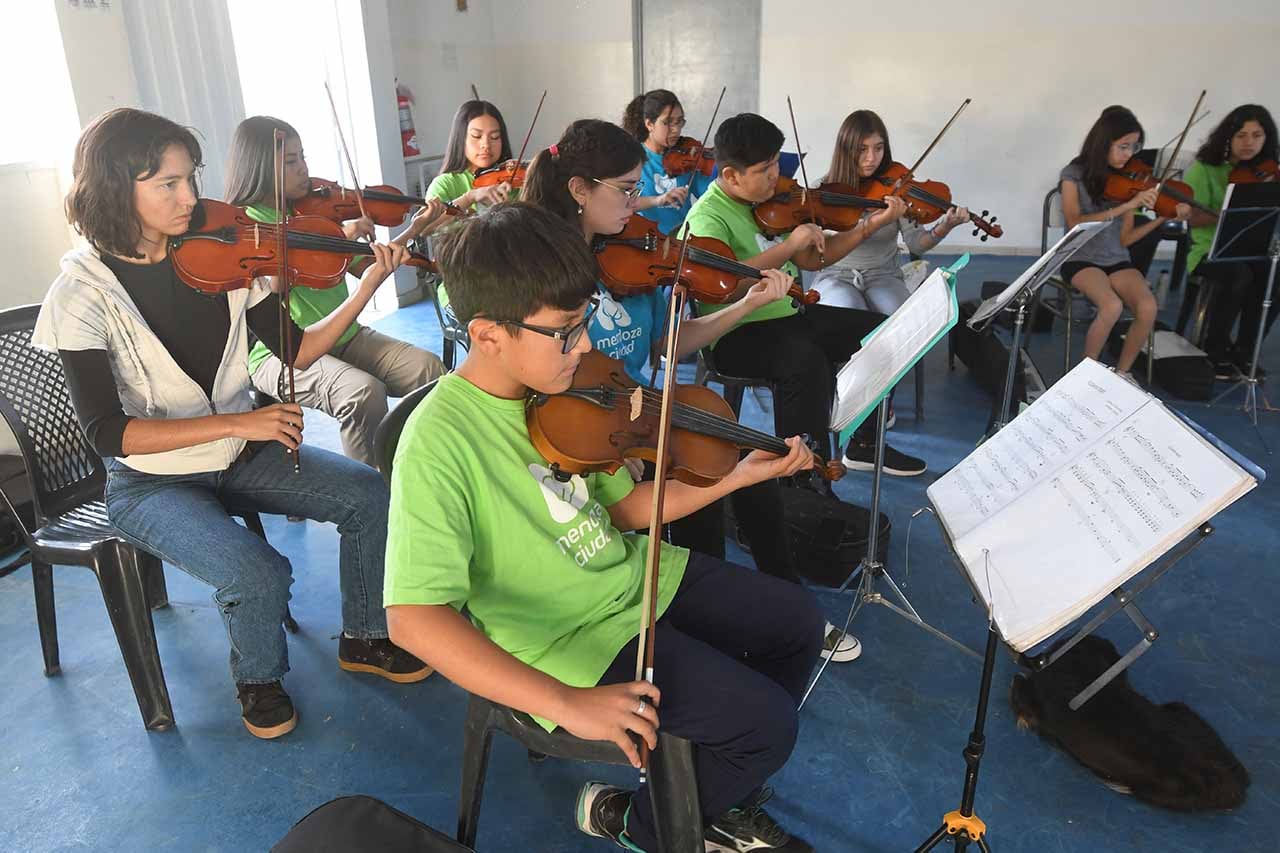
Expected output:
(870, 276)
(591, 178)
(657, 119)
(1102, 269)
(157, 376)
(352, 381)
(1245, 137)
(477, 140)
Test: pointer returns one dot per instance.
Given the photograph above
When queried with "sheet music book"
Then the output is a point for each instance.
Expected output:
(1084, 489)
(893, 349)
(1039, 272)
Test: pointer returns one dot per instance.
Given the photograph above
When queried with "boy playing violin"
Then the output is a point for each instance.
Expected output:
(797, 352)
(548, 576)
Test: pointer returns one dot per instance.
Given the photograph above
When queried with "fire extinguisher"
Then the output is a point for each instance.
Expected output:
(408, 136)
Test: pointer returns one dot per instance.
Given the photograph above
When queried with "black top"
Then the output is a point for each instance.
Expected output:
(192, 326)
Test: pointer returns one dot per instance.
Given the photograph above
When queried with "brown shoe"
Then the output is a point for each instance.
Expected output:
(266, 709)
(381, 657)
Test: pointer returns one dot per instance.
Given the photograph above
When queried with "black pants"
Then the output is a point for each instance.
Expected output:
(1238, 290)
(800, 355)
(732, 673)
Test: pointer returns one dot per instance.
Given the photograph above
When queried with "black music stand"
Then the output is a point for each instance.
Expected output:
(1249, 230)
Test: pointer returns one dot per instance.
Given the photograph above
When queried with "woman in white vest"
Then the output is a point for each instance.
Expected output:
(159, 379)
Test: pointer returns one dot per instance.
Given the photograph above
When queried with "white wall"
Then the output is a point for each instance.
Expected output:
(1038, 74)
(580, 51)
(34, 230)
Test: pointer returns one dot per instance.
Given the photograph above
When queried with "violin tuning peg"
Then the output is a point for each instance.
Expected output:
(984, 213)
(995, 219)
(983, 238)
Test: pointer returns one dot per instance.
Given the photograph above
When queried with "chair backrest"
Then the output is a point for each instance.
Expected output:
(387, 435)
(63, 469)
(1051, 217)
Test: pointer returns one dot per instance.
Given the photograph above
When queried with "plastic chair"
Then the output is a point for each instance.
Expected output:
(454, 333)
(67, 479)
(673, 783)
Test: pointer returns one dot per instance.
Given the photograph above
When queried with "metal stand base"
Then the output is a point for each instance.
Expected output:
(962, 825)
(871, 569)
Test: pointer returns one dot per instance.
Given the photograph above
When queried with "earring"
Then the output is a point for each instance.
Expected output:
(579, 210)
(1226, 151)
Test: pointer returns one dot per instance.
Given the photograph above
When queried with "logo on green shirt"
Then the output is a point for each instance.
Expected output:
(565, 501)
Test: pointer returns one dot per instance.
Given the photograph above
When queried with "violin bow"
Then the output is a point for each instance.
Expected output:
(475, 95)
(702, 146)
(795, 134)
(1182, 137)
(525, 145)
(286, 316)
(653, 554)
(346, 153)
(912, 171)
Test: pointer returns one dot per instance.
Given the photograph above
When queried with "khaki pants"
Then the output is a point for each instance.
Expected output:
(352, 383)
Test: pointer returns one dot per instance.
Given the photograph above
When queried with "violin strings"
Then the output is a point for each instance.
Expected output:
(714, 425)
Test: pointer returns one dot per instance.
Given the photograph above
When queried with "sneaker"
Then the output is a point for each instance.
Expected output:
(892, 420)
(380, 657)
(602, 813)
(266, 709)
(1224, 369)
(840, 646)
(862, 457)
(751, 828)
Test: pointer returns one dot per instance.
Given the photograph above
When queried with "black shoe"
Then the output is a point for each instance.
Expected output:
(751, 828)
(602, 812)
(266, 709)
(1243, 363)
(859, 456)
(380, 657)
(1224, 369)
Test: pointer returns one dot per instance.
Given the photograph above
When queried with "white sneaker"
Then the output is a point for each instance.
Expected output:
(840, 646)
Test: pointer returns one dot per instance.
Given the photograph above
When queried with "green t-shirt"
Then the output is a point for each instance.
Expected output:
(478, 521)
(717, 215)
(307, 305)
(447, 186)
(1209, 184)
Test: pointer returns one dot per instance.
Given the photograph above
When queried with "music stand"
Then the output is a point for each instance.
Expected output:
(1249, 230)
(1022, 289)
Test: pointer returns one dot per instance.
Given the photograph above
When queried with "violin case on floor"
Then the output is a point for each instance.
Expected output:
(362, 824)
(828, 536)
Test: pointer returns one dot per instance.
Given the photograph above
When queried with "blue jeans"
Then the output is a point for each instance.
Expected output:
(185, 519)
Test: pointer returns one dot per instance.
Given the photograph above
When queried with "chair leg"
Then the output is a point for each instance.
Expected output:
(919, 371)
(733, 396)
(1066, 344)
(153, 572)
(673, 791)
(1151, 355)
(476, 739)
(46, 615)
(124, 593)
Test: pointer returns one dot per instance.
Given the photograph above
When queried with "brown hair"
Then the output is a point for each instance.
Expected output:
(857, 126)
(590, 148)
(117, 149)
(650, 106)
(251, 162)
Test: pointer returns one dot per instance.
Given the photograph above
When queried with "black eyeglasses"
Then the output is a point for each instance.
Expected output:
(568, 337)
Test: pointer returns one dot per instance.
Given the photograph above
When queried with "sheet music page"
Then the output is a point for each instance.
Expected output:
(1096, 522)
(1073, 414)
(1045, 266)
(892, 350)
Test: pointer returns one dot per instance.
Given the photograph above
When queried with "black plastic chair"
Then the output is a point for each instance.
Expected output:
(673, 783)
(454, 333)
(67, 479)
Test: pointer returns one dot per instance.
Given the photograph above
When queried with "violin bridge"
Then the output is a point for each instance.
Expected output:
(637, 403)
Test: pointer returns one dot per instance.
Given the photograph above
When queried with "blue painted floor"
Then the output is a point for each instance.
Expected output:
(878, 761)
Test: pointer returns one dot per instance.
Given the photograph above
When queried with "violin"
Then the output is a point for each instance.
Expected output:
(606, 417)
(226, 250)
(511, 172)
(640, 257)
(689, 155)
(384, 204)
(926, 200)
(833, 206)
(1259, 173)
(1137, 177)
